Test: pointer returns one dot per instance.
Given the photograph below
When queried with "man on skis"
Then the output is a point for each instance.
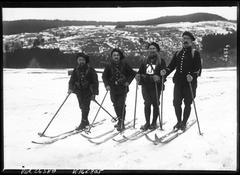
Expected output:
(117, 76)
(149, 77)
(187, 63)
(84, 83)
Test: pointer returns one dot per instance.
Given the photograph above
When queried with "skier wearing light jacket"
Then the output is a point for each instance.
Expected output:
(117, 76)
(187, 63)
(149, 77)
(84, 83)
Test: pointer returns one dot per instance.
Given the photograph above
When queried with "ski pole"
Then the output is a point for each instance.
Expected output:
(190, 85)
(135, 107)
(41, 134)
(158, 105)
(105, 110)
(161, 116)
(97, 111)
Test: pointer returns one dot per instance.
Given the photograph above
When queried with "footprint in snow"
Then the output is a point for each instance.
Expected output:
(211, 152)
(188, 156)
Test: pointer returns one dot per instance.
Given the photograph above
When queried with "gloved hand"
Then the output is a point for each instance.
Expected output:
(189, 78)
(93, 97)
(137, 78)
(163, 72)
(107, 88)
(70, 91)
(126, 84)
(156, 78)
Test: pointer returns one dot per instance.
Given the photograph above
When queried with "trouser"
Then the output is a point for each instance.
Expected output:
(84, 104)
(118, 100)
(151, 99)
(182, 93)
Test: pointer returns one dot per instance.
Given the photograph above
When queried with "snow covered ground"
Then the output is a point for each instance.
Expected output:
(32, 96)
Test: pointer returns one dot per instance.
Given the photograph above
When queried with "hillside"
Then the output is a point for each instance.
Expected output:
(23, 26)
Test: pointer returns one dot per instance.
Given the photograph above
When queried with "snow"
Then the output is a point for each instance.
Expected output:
(32, 96)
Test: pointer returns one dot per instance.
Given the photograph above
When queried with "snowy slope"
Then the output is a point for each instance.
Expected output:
(32, 96)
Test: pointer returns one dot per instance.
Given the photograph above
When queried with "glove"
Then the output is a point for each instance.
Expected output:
(156, 78)
(108, 88)
(163, 72)
(189, 78)
(137, 77)
(93, 97)
(70, 91)
(126, 84)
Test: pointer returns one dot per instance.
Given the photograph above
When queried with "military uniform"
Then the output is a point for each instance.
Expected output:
(84, 83)
(185, 62)
(116, 75)
(146, 71)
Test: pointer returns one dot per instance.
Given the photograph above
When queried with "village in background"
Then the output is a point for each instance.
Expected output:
(54, 43)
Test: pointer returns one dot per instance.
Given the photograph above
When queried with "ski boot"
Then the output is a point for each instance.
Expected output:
(183, 126)
(153, 126)
(177, 126)
(117, 124)
(82, 126)
(145, 127)
(120, 128)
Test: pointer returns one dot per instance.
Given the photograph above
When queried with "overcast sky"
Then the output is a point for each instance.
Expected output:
(112, 14)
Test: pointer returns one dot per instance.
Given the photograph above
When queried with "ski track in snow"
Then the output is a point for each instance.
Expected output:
(32, 96)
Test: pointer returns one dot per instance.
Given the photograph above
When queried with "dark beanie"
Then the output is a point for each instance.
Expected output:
(189, 34)
(119, 51)
(155, 45)
(81, 54)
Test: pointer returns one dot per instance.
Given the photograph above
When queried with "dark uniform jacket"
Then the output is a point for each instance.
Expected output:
(84, 80)
(185, 64)
(147, 71)
(115, 75)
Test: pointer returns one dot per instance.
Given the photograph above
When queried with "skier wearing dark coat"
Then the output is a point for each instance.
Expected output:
(117, 76)
(149, 77)
(187, 63)
(84, 83)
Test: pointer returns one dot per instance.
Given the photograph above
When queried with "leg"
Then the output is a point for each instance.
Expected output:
(177, 103)
(188, 101)
(147, 107)
(156, 111)
(84, 104)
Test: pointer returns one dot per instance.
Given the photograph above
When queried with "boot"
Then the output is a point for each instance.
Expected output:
(178, 125)
(82, 126)
(117, 124)
(84, 122)
(145, 127)
(182, 126)
(121, 127)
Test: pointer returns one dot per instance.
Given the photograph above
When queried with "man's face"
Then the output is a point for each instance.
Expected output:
(187, 41)
(116, 56)
(81, 61)
(152, 50)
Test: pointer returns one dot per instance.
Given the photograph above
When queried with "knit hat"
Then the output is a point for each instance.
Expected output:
(81, 54)
(155, 45)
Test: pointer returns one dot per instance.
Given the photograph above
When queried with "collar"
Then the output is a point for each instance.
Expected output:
(187, 49)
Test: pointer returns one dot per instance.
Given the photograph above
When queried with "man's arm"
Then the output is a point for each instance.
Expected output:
(172, 65)
(95, 84)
